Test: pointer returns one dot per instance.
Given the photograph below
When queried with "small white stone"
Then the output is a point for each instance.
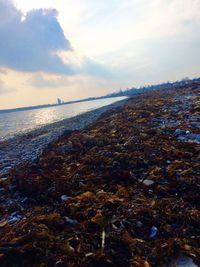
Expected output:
(148, 182)
(64, 197)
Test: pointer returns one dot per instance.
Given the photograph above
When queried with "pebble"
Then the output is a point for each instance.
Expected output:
(187, 136)
(153, 232)
(185, 261)
(139, 224)
(148, 182)
(190, 138)
(14, 218)
(3, 178)
(3, 223)
(64, 198)
(71, 222)
(179, 132)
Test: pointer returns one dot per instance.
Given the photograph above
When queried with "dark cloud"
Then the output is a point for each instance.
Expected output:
(30, 43)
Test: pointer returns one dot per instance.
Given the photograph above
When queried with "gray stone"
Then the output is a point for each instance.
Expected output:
(179, 132)
(64, 198)
(71, 222)
(148, 182)
(185, 261)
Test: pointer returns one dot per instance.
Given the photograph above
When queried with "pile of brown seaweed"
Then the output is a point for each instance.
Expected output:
(123, 192)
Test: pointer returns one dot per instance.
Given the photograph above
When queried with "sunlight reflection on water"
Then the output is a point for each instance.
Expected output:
(44, 116)
(23, 121)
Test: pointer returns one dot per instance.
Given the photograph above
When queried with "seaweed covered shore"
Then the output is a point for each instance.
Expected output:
(124, 191)
(29, 146)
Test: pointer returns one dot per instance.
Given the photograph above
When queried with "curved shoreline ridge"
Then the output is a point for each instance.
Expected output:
(28, 146)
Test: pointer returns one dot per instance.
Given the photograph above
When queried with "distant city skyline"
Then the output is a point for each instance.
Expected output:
(77, 49)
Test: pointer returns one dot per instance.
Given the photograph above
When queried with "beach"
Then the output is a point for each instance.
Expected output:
(118, 186)
(28, 146)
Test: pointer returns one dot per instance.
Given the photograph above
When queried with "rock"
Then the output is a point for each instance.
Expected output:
(179, 132)
(139, 224)
(14, 217)
(71, 222)
(195, 138)
(3, 178)
(187, 136)
(153, 232)
(148, 182)
(64, 198)
(7, 169)
(3, 223)
(190, 138)
(185, 261)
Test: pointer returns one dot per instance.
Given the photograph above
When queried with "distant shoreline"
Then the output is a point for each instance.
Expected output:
(52, 105)
(128, 92)
(28, 146)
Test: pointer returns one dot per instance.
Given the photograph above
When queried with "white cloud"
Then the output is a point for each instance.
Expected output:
(126, 43)
(4, 89)
(31, 44)
(40, 80)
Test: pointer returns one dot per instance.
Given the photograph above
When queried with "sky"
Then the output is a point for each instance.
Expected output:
(74, 49)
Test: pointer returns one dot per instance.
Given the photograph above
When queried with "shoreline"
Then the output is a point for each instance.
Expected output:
(29, 146)
(126, 184)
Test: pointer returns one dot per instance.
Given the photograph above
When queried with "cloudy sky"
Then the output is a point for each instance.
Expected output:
(73, 49)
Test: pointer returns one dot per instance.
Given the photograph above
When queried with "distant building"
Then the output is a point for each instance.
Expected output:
(59, 101)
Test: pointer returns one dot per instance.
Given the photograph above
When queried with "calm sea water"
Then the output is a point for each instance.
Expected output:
(23, 121)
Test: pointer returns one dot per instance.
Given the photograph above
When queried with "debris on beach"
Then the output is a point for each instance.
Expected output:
(122, 192)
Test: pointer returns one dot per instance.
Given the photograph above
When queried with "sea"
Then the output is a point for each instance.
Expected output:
(19, 122)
